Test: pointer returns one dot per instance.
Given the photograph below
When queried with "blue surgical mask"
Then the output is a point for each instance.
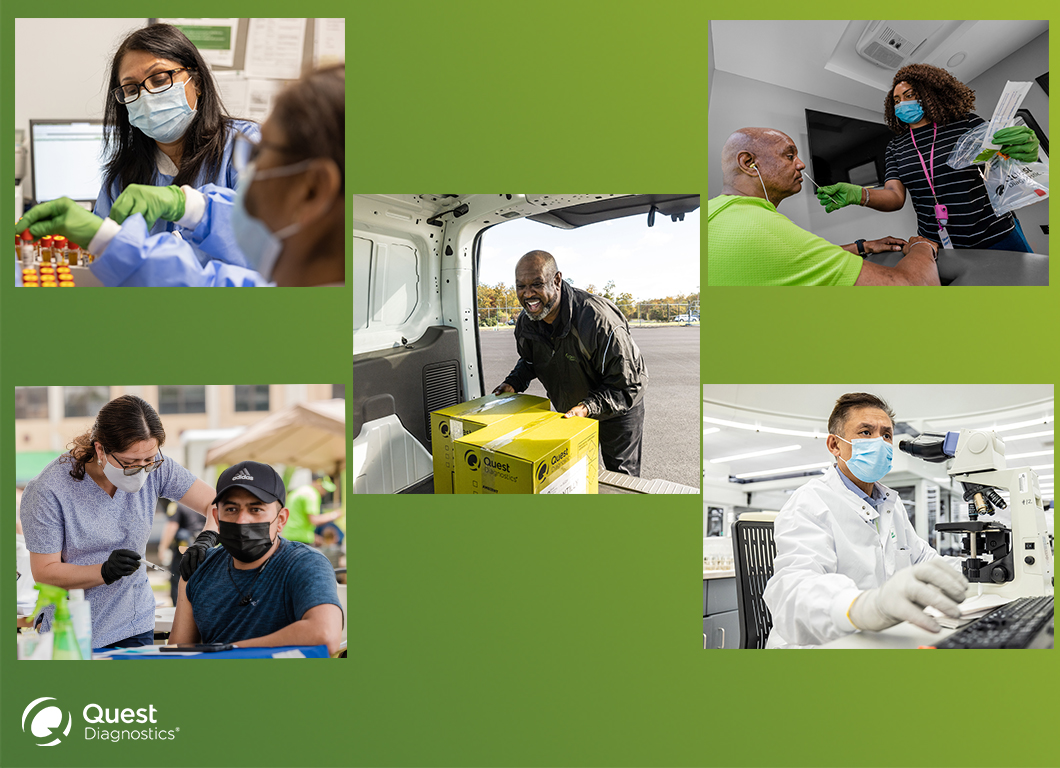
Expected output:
(260, 245)
(909, 112)
(870, 459)
(163, 116)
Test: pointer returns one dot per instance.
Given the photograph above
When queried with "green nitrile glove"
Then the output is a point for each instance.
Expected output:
(836, 196)
(1018, 142)
(61, 217)
(153, 202)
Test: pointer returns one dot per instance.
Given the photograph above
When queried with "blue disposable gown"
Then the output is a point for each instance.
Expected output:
(226, 177)
(135, 257)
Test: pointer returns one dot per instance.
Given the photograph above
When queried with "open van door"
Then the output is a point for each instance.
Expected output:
(416, 343)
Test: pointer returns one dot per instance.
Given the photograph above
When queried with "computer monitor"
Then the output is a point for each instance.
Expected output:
(67, 159)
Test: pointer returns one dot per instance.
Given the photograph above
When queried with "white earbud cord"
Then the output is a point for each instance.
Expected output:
(763, 185)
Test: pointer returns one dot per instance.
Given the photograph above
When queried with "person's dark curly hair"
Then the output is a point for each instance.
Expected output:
(943, 97)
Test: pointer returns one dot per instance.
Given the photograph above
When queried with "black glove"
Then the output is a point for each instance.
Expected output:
(121, 563)
(196, 553)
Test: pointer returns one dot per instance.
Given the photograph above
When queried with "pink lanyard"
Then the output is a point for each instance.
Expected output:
(929, 175)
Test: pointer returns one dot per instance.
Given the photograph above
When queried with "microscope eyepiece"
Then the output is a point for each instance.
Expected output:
(928, 446)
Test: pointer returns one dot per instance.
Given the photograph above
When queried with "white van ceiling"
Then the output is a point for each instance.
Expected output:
(820, 57)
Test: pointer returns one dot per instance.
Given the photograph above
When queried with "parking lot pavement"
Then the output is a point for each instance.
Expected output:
(671, 418)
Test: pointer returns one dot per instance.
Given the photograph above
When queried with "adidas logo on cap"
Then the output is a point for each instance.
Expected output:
(260, 479)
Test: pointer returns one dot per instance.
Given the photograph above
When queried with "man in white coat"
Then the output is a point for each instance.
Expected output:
(848, 558)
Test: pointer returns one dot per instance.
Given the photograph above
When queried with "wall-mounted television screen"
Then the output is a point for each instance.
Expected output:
(846, 149)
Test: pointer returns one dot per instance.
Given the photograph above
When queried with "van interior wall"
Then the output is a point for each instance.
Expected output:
(53, 86)
(710, 59)
(1029, 62)
(739, 102)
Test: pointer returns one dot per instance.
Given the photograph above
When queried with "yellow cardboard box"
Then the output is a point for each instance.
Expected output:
(529, 453)
(452, 423)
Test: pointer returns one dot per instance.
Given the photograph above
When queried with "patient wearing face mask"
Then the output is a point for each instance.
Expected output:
(257, 589)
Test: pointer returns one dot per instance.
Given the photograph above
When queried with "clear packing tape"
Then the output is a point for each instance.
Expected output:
(492, 404)
(497, 443)
(1010, 184)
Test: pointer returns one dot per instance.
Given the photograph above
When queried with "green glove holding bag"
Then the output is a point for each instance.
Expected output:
(836, 196)
(153, 202)
(61, 217)
(1018, 142)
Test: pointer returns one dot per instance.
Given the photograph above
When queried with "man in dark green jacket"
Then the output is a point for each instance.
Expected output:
(578, 345)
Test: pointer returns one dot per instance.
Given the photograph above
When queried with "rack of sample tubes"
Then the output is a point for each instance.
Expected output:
(51, 261)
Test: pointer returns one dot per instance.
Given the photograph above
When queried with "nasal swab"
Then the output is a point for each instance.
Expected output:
(803, 172)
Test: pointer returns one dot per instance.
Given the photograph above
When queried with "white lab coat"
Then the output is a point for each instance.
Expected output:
(829, 549)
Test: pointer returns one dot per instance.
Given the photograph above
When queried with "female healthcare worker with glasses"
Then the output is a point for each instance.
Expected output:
(88, 515)
(293, 178)
(930, 110)
(164, 122)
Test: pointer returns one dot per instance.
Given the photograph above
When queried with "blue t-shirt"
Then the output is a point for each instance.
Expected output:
(226, 177)
(80, 520)
(295, 579)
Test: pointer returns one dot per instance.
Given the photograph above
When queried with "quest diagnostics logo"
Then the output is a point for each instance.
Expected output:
(45, 721)
(472, 460)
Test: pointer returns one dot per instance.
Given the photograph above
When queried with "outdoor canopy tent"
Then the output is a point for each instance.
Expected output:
(310, 435)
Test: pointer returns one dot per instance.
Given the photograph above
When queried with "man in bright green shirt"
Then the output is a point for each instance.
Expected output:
(305, 516)
(750, 243)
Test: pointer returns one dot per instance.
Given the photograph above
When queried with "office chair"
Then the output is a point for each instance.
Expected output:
(753, 553)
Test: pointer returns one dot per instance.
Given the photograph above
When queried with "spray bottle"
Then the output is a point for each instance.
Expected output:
(65, 646)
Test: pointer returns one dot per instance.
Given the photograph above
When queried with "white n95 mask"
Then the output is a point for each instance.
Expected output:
(260, 245)
(162, 116)
(122, 481)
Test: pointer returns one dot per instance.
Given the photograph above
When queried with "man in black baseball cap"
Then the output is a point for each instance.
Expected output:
(260, 479)
(257, 588)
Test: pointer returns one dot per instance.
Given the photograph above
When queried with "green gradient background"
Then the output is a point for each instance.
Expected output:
(540, 632)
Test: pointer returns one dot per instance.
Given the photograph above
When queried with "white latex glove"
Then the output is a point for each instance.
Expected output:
(904, 596)
(166, 556)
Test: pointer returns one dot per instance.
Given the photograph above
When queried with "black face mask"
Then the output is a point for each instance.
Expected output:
(246, 542)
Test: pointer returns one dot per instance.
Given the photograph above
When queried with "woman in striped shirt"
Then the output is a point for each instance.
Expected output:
(930, 110)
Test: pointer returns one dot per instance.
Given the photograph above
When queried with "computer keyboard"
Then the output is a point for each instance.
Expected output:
(1017, 624)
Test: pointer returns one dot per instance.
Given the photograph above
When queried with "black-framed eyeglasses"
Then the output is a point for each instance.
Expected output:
(246, 150)
(148, 468)
(156, 83)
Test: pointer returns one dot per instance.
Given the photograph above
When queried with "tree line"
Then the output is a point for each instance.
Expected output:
(499, 303)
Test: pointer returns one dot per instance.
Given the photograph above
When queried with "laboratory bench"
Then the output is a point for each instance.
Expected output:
(973, 266)
(904, 635)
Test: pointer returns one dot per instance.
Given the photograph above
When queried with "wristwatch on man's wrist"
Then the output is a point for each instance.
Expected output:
(861, 248)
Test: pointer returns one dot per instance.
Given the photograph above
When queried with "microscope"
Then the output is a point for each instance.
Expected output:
(1016, 562)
